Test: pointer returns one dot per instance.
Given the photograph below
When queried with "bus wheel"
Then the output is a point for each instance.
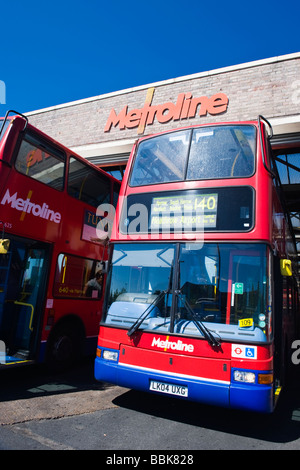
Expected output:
(64, 347)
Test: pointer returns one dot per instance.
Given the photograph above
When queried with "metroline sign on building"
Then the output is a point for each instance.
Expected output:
(185, 107)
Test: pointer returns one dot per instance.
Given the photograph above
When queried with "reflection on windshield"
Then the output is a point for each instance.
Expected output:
(161, 159)
(227, 286)
(202, 153)
(5, 127)
(140, 273)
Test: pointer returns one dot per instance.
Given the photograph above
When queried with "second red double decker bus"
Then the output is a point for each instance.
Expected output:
(51, 259)
(201, 298)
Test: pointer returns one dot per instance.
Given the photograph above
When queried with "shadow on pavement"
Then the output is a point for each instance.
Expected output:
(36, 380)
(282, 426)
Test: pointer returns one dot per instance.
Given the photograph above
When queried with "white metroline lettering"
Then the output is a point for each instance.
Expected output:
(174, 345)
(28, 207)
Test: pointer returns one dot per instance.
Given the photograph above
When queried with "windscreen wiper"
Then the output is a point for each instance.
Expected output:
(199, 325)
(145, 314)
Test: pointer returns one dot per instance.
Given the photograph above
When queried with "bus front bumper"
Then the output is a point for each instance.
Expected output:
(251, 397)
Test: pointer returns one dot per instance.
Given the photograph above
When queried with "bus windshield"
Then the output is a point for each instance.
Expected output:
(227, 287)
(212, 152)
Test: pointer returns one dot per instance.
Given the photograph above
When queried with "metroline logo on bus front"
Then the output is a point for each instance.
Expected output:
(25, 206)
(173, 345)
(240, 351)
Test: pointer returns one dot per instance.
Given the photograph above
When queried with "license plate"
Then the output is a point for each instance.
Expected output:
(171, 389)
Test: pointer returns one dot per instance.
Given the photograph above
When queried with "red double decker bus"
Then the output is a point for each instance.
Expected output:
(202, 295)
(52, 265)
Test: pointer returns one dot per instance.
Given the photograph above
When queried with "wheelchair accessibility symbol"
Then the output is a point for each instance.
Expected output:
(250, 352)
(243, 352)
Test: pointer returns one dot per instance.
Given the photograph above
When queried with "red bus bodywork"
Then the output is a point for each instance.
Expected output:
(243, 366)
(45, 311)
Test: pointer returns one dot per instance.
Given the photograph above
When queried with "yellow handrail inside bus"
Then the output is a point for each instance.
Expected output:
(81, 187)
(16, 302)
(64, 267)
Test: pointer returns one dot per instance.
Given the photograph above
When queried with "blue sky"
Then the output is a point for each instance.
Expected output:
(58, 51)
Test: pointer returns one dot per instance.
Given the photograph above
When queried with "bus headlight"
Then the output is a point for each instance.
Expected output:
(244, 376)
(110, 355)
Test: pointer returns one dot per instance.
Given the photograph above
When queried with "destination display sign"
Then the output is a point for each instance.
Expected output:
(228, 209)
(184, 211)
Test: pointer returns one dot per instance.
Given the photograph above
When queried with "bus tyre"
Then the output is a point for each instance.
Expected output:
(64, 347)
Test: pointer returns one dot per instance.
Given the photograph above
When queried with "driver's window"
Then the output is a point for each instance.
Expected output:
(198, 281)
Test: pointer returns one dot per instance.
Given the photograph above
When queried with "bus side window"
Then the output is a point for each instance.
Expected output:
(78, 277)
(116, 190)
(42, 162)
(87, 185)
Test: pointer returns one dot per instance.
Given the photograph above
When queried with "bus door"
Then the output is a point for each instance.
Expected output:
(23, 287)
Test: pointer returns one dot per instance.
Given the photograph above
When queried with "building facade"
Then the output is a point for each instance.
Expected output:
(104, 128)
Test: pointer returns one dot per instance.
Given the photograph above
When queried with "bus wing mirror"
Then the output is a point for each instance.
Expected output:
(4, 242)
(104, 265)
(286, 267)
(4, 245)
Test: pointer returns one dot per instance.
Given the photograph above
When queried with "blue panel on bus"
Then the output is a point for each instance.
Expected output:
(252, 397)
(213, 393)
